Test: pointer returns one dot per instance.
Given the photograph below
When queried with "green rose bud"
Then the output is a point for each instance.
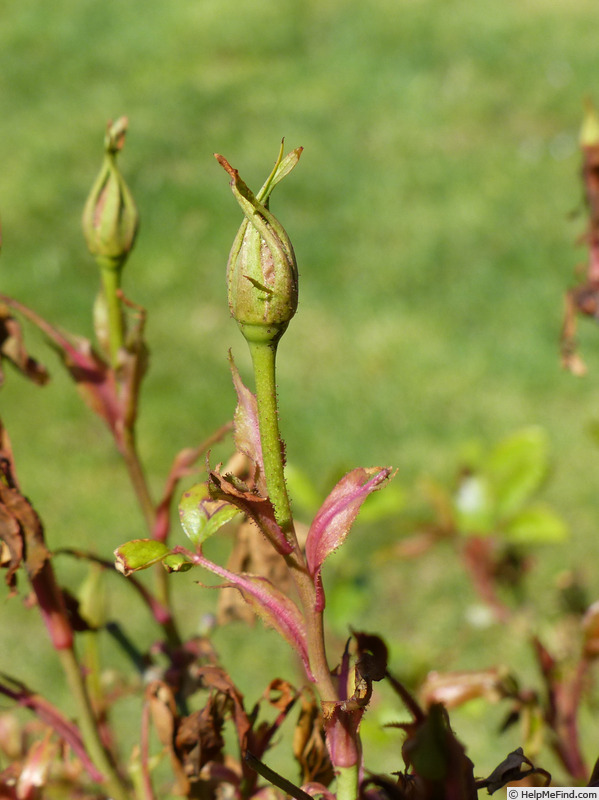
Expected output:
(110, 218)
(262, 271)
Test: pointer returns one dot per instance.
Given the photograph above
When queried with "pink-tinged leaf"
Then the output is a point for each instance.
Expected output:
(333, 521)
(341, 729)
(273, 607)
(51, 716)
(246, 423)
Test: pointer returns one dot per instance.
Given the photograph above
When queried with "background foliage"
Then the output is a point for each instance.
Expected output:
(432, 220)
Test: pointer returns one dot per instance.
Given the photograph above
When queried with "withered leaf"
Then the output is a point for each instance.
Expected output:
(212, 677)
(433, 752)
(161, 701)
(309, 745)
(12, 348)
(258, 508)
(21, 530)
(280, 694)
(511, 770)
(110, 393)
(452, 689)
(12, 547)
(199, 738)
(372, 656)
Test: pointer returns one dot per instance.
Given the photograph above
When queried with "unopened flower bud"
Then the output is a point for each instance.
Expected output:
(262, 271)
(110, 218)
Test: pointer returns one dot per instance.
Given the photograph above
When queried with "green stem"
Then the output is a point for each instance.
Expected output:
(115, 785)
(263, 360)
(91, 664)
(111, 281)
(347, 783)
(138, 479)
(142, 492)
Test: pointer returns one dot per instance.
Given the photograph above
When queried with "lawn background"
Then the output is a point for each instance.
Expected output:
(433, 217)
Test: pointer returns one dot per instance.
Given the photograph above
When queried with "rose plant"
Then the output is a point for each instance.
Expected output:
(275, 571)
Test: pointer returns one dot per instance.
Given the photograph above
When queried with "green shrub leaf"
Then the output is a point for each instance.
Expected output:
(535, 525)
(517, 468)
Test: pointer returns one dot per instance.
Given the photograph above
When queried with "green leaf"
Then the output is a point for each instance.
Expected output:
(535, 525)
(202, 517)
(139, 554)
(517, 468)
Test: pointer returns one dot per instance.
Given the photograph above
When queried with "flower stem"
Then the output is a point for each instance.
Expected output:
(88, 726)
(347, 783)
(111, 280)
(263, 360)
(148, 509)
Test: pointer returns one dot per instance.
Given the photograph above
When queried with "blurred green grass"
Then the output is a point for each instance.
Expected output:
(432, 219)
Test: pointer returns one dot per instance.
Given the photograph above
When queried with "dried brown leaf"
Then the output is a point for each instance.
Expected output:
(12, 348)
(309, 745)
(163, 710)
